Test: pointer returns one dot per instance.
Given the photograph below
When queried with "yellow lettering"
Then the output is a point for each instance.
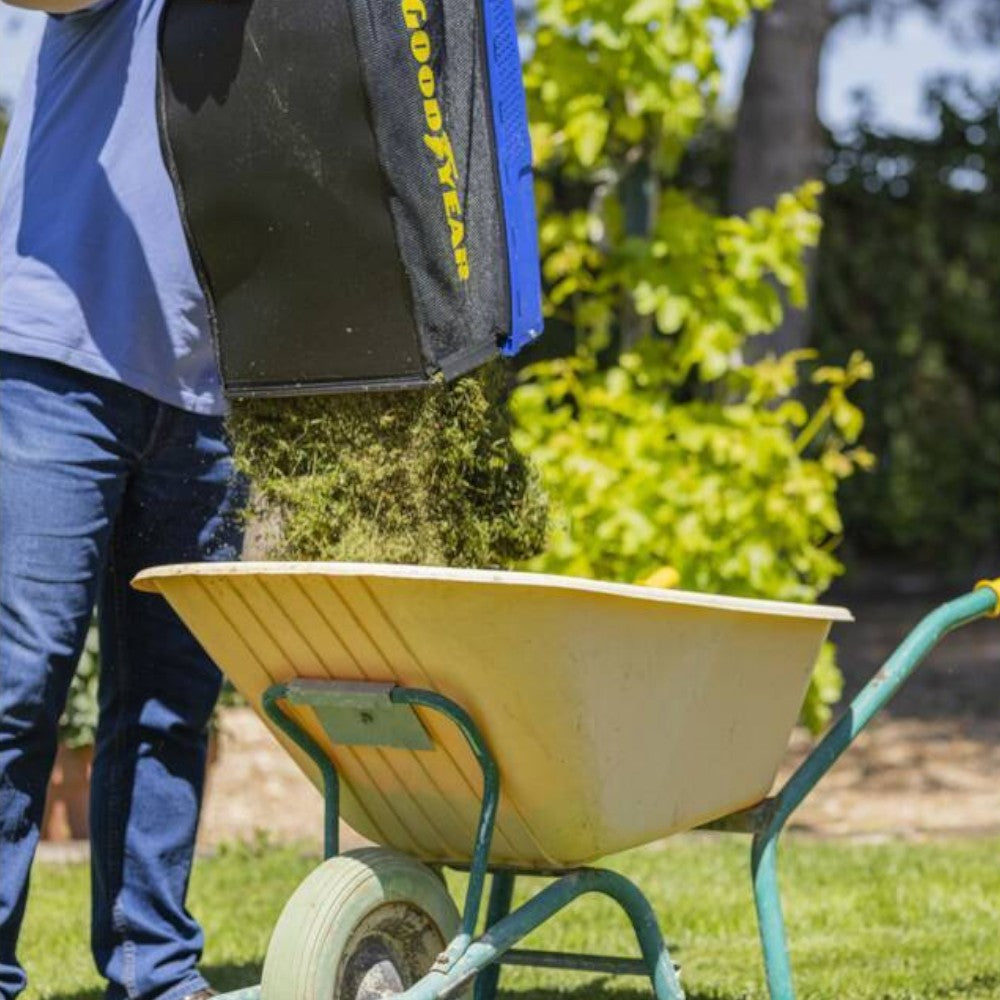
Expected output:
(440, 146)
(452, 206)
(457, 228)
(436, 138)
(432, 112)
(420, 46)
(436, 144)
(425, 77)
(448, 171)
(414, 14)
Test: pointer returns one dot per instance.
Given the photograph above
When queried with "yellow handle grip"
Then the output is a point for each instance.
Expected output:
(993, 585)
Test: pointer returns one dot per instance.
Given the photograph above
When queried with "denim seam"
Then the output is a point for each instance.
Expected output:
(116, 852)
(154, 432)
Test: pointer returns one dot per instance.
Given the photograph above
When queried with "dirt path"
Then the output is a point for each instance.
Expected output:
(909, 778)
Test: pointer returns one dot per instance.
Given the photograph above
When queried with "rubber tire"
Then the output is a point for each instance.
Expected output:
(309, 956)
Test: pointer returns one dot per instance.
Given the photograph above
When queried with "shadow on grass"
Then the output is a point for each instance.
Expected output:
(222, 977)
(234, 977)
(601, 989)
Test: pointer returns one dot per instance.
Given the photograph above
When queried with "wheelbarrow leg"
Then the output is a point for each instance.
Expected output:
(768, 822)
(501, 894)
(450, 976)
(770, 920)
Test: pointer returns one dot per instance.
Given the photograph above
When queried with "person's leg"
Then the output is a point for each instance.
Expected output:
(157, 692)
(62, 474)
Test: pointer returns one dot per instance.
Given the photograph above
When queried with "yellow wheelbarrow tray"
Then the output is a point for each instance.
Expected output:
(514, 724)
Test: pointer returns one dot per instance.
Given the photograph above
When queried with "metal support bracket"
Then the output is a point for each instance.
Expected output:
(749, 820)
(359, 713)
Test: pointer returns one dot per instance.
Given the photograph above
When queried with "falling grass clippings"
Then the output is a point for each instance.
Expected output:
(422, 477)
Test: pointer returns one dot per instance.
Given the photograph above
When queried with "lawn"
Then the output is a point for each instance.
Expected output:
(866, 921)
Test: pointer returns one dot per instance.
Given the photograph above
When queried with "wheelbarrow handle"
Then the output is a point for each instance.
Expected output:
(981, 602)
(768, 819)
(993, 585)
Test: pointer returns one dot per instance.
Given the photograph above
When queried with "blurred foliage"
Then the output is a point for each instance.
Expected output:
(658, 444)
(968, 22)
(909, 271)
(734, 493)
(78, 724)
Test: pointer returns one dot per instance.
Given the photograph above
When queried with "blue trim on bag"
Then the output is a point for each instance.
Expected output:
(513, 152)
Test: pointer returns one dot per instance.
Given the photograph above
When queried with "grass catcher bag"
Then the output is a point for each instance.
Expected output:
(355, 182)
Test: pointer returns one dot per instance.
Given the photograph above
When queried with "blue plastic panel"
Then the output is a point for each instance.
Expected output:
(513, 149)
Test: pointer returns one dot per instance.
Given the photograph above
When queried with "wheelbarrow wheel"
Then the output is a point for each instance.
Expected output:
(362, 926)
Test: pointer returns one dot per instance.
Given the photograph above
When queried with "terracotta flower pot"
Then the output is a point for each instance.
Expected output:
(66, 803)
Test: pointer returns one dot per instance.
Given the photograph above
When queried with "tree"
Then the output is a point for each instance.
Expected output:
(778, 141)
(909, 267)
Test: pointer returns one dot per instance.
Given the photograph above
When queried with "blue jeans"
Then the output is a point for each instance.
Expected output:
(98, 482)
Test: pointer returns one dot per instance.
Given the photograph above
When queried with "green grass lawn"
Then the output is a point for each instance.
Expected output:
(865, 921)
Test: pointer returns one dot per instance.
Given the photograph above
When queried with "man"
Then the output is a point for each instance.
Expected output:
(112, 458)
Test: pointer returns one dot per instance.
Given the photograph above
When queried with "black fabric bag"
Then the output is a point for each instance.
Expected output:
(355, 182)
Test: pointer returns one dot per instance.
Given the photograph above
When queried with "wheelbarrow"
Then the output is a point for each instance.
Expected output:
(515, 724)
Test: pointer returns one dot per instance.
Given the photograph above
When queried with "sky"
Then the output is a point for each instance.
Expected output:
(892, 65)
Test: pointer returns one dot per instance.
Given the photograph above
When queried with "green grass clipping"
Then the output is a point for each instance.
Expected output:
(421, 477)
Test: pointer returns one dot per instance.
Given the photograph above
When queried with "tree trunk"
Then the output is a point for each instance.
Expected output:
(779, 140)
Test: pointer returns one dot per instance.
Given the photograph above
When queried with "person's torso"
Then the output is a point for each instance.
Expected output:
(94, 267)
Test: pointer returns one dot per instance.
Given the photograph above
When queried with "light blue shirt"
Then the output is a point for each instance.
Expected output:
(95, 271)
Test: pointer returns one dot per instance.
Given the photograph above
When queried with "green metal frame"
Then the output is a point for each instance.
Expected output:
(271, 703)
(465, 956)
(468, 957)
(767, 820)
